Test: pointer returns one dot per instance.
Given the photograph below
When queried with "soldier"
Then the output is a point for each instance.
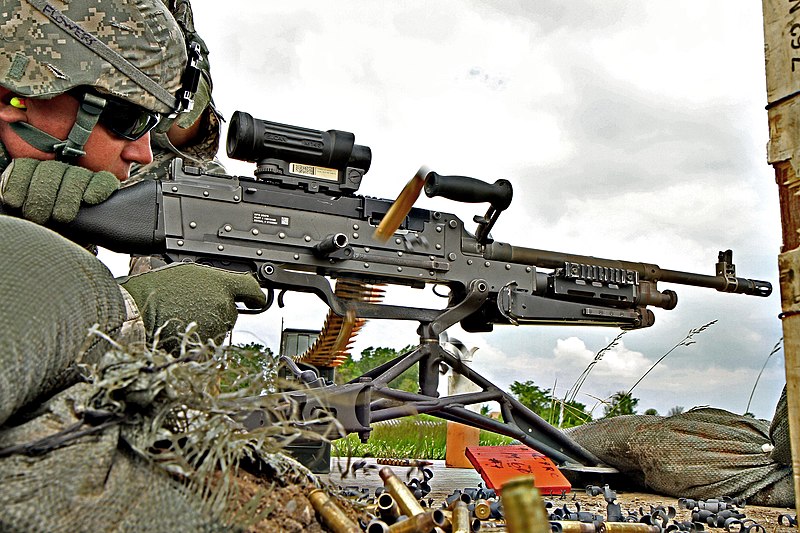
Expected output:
(82, 83)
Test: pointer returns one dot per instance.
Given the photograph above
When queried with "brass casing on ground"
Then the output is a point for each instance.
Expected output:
(523, 507)
(482, 509)
(420, 523)
(333, 517)
(402, 495)
(460, 519)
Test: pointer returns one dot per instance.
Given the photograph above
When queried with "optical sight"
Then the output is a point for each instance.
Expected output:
(318, 161)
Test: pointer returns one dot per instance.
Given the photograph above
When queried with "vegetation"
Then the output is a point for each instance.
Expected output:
(413, 437)
(561, 413)
(374, 357)
(620, 403)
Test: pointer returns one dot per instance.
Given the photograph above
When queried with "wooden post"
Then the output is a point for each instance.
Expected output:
(782, 60)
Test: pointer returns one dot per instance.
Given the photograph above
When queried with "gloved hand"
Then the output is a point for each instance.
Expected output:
(54, 190)
(176, 295)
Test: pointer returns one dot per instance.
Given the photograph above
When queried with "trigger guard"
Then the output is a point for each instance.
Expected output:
(280, 298)
(243, 310)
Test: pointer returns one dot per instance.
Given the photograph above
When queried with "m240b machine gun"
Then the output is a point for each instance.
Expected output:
(298, 224)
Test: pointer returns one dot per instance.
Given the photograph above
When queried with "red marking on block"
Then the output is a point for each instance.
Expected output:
(498, 464)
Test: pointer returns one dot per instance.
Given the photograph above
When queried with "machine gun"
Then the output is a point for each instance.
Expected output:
(298, 224)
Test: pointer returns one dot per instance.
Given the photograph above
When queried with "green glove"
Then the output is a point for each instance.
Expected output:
(53, 190)
(176, 295)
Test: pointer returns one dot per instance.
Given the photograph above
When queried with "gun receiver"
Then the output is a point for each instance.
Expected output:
(298, 223)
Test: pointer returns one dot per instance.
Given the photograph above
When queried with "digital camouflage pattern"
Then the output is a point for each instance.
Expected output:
(141, 31)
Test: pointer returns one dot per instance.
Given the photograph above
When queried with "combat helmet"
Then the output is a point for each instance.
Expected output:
(129, 51)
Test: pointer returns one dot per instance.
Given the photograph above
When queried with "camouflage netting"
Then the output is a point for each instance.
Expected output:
(701, 453)
(119, 438)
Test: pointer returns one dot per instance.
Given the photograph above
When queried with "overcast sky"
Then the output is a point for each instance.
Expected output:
(630, 130)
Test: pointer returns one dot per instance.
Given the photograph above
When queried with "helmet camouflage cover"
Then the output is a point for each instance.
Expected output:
(52, 46)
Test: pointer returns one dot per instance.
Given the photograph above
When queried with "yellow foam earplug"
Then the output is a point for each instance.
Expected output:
(18, 102)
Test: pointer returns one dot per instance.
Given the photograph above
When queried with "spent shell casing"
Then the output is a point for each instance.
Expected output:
(482, 509)
(420, 523)
(331, 514)
(460, 519)
(388, 508)
(523, 507)
(572, 526)
(626, 527)
(405, 499)
(377, 526)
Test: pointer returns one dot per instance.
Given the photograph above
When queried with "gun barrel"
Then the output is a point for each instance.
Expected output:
(499, 251)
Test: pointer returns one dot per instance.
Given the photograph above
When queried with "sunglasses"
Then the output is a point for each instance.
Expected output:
(124, 119)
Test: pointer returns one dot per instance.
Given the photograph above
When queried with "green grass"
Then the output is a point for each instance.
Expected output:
(417, 437)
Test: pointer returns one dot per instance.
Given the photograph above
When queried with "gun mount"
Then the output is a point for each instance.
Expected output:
(298, 224)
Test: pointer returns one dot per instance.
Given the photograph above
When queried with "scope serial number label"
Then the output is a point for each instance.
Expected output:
(311, 171)
(270, 220)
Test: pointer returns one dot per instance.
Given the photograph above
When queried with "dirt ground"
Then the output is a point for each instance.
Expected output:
(288, 508)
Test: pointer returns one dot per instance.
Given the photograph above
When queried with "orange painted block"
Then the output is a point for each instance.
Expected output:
(498, 464)
(459, 437)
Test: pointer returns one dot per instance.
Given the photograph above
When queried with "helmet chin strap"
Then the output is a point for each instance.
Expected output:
(72, 148)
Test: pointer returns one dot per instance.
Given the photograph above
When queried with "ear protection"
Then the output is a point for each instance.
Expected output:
(18, 102)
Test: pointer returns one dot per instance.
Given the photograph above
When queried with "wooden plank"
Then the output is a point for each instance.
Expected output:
(782, 64)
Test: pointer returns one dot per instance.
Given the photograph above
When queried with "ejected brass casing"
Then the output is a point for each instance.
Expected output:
(523, 508)
(572, 526)
(402, 495)
(377, 526)
(387, 508)
(460, 519)
(333, 517)
(420, 523)
(626, 527)
(482, 509)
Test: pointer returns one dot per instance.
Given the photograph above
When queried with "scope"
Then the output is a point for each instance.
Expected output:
(317, 161)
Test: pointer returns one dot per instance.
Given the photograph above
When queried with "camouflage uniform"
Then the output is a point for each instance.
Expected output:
(203, 150)
(61, 467)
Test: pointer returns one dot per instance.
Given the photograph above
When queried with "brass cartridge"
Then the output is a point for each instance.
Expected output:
(333, 517)
(523, 507)
(402, 495)
(482, 509)
(420, 523)
(460, 520)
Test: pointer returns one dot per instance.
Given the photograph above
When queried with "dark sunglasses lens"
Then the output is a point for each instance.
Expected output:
(128, 121)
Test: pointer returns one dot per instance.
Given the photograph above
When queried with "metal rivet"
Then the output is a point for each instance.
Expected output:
(282, 235)
(259, 252)
(366, 265)
(355, 235)
(296, 257)
(508, 267)
(355, 227)
(307, 238)
(453, 224)
(451, 256)
(192, 225)
(528, 269)
(438, 246)
(180, 243)
(487, 264)
(255, 231)
(220, 247)
(399, 269)
(399, 254)
(469, 261)
(206, 194)
(228, 227)
(174, 189)
(366, 249)
(439, 229)
(398, 241)
(235, 198)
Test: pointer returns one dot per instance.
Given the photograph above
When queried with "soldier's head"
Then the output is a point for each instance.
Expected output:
(84, 81)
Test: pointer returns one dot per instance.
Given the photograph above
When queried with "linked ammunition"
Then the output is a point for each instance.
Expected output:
(331, 515)
(402, 495)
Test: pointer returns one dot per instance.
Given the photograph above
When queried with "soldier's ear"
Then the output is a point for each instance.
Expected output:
(13, 108)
